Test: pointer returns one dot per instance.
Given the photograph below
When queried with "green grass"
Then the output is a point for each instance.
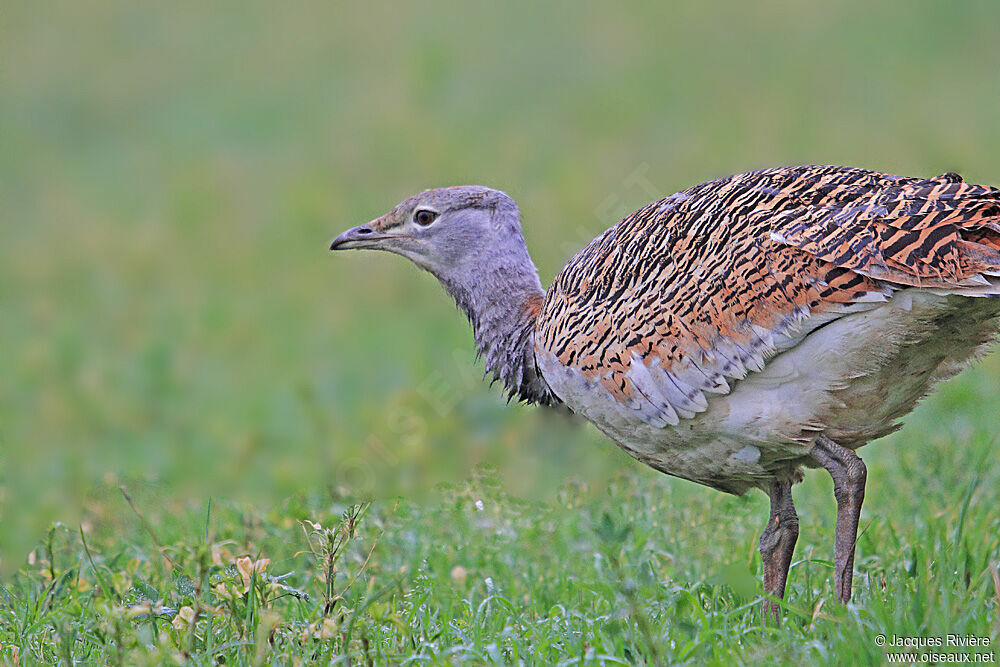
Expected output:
(641, 571)
(170, 321)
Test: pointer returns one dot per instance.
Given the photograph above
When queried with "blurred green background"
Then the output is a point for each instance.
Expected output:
(171, 174)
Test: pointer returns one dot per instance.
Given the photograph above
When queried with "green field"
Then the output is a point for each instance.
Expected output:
(171, 324)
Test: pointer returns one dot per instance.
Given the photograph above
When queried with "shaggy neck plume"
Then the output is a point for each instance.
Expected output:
(502, 303)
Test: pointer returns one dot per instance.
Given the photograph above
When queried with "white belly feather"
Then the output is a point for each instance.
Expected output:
(852, 379)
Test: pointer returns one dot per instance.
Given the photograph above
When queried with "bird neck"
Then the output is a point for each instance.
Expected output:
(502, 301)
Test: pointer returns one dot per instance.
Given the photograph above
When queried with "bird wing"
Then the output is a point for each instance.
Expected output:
(695, 291)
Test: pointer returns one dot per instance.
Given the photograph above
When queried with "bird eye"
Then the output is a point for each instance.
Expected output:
(423, 217)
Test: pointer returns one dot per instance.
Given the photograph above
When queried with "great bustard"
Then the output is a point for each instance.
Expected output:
(734, 332)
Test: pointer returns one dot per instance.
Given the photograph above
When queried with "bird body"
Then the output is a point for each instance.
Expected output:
(714, 333)
(737, 331)
(852, 379)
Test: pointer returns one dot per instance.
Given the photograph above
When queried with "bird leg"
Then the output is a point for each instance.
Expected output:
(777, 543)
(849, 474)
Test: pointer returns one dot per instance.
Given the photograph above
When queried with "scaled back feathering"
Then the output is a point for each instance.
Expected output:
(736, 332)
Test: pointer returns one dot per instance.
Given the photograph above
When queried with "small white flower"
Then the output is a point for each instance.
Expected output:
(480, 506)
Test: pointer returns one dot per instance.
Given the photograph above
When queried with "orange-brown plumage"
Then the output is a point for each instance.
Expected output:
(709, 265)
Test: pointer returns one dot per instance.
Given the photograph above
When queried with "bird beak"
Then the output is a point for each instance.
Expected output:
(362, 236)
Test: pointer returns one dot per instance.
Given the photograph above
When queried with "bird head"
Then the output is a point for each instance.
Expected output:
(453, 232)
(469, 238)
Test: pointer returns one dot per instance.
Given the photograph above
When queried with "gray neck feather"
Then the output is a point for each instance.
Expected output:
(500, 294)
